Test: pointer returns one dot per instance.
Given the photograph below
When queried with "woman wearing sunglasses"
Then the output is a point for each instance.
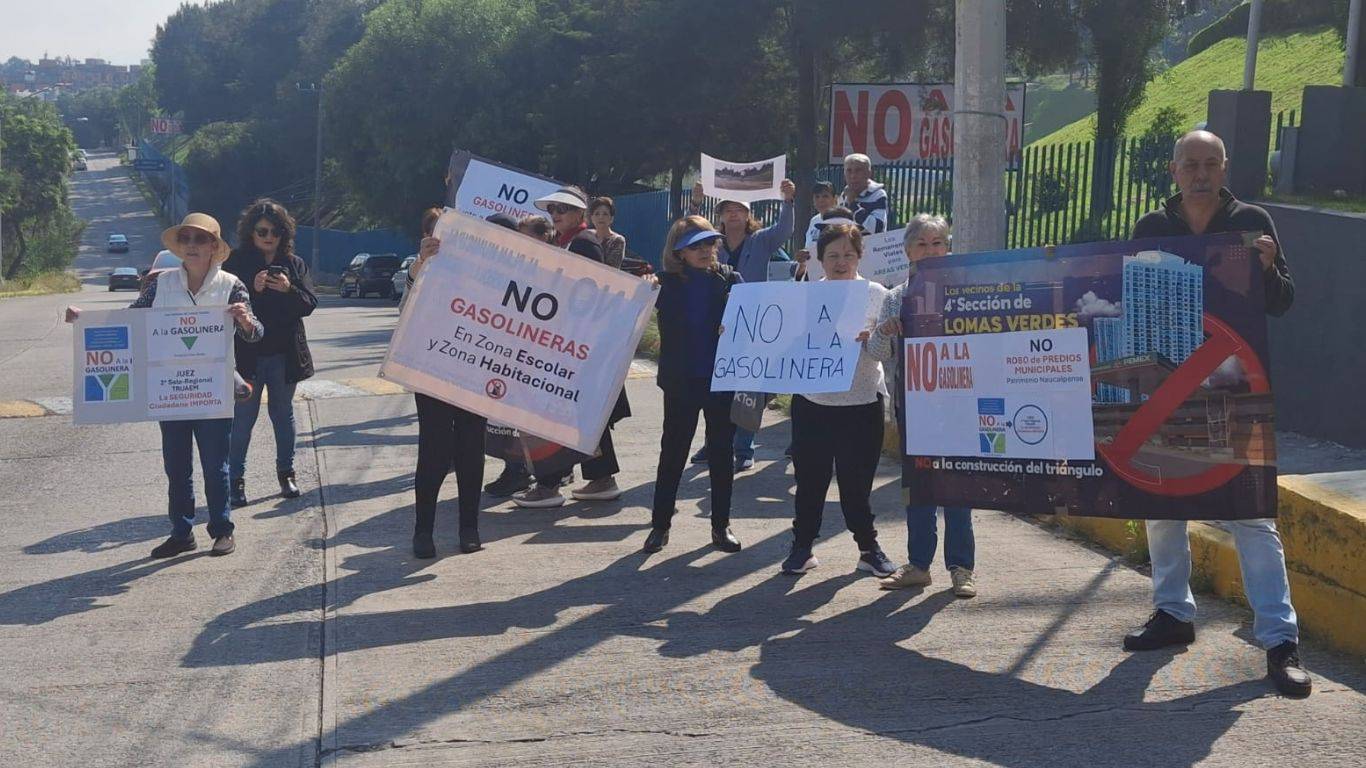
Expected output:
(198, 282)
(282, 296)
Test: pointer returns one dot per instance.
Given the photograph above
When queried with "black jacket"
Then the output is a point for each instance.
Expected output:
(673, 343)
(281, 313)
(1233, 216)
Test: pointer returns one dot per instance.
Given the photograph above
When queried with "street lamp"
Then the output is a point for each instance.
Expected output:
(317, 89)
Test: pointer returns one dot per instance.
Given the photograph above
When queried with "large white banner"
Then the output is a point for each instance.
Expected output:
(798, 338)
(884, 259)
(482, 188)
(1001, 395)
(908, 122)
(152, 365)
(743, 182)
(529, 335)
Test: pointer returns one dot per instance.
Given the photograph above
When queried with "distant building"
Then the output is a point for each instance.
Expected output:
(1109, 333)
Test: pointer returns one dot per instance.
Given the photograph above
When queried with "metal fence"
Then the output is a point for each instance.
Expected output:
(1061, 193)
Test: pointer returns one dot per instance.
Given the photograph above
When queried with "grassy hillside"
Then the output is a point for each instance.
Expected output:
(1051, 104)
(1285, 65)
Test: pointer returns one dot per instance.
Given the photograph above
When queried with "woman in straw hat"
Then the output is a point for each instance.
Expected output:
(198, 282)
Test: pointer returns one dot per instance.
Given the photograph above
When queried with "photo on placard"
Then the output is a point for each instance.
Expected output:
(745, 177)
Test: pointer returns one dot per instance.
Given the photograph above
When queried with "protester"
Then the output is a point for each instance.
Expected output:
(515, 477)
(199, 282)
(281, 291)
(822, 199)
(840, 430)
(747, 248)
(692, 298)
(447, 437)
(602, 212)
(567, 207)
(1204, 206)
(865, 197)
(927, 237)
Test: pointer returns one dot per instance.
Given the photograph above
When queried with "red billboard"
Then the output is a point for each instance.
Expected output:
(907, 122)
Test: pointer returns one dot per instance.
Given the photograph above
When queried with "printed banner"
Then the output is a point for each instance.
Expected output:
(1004, 395)
(528, 335)
(482, 188)
(743, 182)
(907, 122)
(541, 457)
(153, 365)
(1181, 411)
(884, 259)
(798, 338)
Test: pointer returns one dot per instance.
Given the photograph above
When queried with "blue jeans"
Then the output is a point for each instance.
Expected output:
(744, 444)
(178, 439)
(270, 372)
(922, 528)
(1264, 579)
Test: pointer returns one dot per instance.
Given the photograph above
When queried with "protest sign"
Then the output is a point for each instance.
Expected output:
(1181, 408)
(152, 365)
(743, 182)
(907, 122)
(780, 271)
(795, 338)
(482, 187)
(541, 457)
(1006, 395)
(528, 335)
(884, 259)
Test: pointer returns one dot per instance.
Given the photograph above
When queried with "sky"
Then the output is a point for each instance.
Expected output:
(118, 31)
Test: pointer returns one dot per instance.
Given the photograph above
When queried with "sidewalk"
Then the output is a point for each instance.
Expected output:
(562, 644)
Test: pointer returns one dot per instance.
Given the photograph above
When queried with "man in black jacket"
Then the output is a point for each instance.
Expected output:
(1203, 206)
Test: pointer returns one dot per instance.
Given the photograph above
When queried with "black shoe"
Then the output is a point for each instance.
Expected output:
(223, 545)
(1284, 669)
(724, 540)
(510, 482)
(469, 540)
(700, 457)
(657, 540)
(288, 488)
(743, 465)
(237, 495)
(423, 546)
(173, 546)
(1160, 631)
(567, 480)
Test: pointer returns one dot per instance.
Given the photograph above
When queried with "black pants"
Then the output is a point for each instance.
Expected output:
(849, 439)
(681, 407)
(446, 436)
(596, 468)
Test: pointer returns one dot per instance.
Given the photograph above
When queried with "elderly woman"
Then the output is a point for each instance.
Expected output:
(199, 282)
(927, 237)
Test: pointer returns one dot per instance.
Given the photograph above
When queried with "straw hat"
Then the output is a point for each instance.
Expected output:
(203, 222)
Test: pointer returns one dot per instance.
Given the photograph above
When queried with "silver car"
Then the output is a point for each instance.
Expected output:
(401, 277)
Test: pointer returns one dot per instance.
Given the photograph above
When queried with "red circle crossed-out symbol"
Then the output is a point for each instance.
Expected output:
(496, 389)
(1223, 342)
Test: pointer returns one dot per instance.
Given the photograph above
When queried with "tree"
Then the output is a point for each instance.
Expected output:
(37, 151)
(99, 108)
(137, 104)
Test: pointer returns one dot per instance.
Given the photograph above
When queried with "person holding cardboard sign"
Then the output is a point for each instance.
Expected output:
(692, 298)
(840, 432)
(199, 282)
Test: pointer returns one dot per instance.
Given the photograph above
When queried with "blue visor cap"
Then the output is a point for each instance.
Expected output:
(695, 236)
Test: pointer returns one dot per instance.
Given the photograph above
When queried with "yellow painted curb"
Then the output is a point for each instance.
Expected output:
(21, 409)
(375, 386)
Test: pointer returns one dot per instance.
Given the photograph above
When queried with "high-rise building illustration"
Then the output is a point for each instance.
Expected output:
(1164, 305)
(1109, 333)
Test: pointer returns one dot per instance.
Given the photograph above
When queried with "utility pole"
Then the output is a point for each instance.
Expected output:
(1350, 77)
(1254, 33)
(979, 126)
(317, 89)
(2, 208)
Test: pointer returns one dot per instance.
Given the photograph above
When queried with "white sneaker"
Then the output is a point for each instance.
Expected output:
(539, 497)
(963, 585)
(602, 489)
(905, 577)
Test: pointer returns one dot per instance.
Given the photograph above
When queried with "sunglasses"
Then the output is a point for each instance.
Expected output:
(556, 208)
(198, 238)
(267, 232)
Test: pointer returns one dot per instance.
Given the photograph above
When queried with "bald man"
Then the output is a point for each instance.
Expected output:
(1204, 206)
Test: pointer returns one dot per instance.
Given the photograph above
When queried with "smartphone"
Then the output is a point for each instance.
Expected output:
(275, 270)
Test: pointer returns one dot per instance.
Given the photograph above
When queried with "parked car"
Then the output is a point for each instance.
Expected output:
(164, 260)
(370, 273)
(117, 243)
(125, 277)
(401, 276)
(78, 163)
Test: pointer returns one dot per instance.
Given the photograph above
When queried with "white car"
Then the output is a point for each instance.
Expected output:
(401, 277)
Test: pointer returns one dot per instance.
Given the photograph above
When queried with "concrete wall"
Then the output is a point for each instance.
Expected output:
(1318, 355)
